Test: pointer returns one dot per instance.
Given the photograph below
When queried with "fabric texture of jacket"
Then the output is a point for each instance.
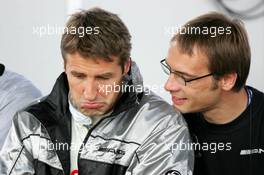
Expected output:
(16, 92)
(142, 136)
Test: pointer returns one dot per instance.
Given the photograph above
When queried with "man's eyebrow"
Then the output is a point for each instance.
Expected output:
(179, 72)
(107, 74)
(184, 73)
(77, 73)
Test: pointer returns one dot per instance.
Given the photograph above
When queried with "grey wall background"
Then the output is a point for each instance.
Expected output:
(23, 50)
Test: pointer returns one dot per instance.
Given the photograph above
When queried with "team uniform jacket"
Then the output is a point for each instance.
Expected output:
(142, 136)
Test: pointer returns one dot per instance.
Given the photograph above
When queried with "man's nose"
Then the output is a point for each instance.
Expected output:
(90, 90)
(171, 84)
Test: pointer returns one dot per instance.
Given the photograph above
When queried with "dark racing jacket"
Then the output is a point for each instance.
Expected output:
(142, 136)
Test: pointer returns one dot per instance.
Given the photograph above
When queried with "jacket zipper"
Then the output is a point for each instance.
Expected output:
(92, 128)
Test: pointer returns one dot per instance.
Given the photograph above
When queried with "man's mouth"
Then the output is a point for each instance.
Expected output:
(91, 105)
(178, 101)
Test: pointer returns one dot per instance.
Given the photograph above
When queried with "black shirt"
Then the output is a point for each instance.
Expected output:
(235, 148)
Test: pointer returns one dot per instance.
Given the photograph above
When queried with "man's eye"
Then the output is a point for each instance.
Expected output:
(188, 78)
(103, 78)
(181, 76)
(78, 76)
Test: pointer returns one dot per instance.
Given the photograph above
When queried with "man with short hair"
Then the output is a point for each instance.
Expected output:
(208, 69)
(96, 120)
(16, 92)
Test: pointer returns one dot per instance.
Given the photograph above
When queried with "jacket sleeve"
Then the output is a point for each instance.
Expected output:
(12, 100)
(27, 147)
(14, 158)
(164, 152)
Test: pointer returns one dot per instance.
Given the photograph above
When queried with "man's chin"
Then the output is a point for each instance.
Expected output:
(180, 109)
(91, 113)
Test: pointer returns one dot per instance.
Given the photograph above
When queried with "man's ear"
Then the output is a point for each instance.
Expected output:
(65, 61)
(64, 65)
(127, 66)
(65, 68)
(228, 81)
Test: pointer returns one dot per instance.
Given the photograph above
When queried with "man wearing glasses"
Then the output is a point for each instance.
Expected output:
(207, 77)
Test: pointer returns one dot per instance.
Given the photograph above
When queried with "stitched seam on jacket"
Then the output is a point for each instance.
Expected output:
(16, 160)
(123, 141)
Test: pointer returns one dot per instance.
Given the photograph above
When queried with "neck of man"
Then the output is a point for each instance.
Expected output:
(230, 106)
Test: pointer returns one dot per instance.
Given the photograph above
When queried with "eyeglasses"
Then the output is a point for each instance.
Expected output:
(178, 77)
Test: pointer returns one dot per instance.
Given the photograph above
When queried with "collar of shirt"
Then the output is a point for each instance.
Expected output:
(78, 116)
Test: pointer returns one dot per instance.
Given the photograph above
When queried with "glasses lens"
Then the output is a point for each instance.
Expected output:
(165, 68)
(176, 76)
(179, 79)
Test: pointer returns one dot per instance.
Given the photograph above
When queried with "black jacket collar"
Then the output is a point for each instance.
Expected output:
(53, 112)
(2, 69)
(58, 98)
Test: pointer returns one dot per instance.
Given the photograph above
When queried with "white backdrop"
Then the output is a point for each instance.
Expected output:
(37, 56)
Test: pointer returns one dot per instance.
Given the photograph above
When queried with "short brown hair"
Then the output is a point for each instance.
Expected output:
(228, 52)
(112, 39)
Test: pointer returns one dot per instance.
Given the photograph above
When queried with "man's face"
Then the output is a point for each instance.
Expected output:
(94, 83)
(200, 95)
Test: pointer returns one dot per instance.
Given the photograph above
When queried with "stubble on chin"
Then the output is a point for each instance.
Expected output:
(83, 111)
